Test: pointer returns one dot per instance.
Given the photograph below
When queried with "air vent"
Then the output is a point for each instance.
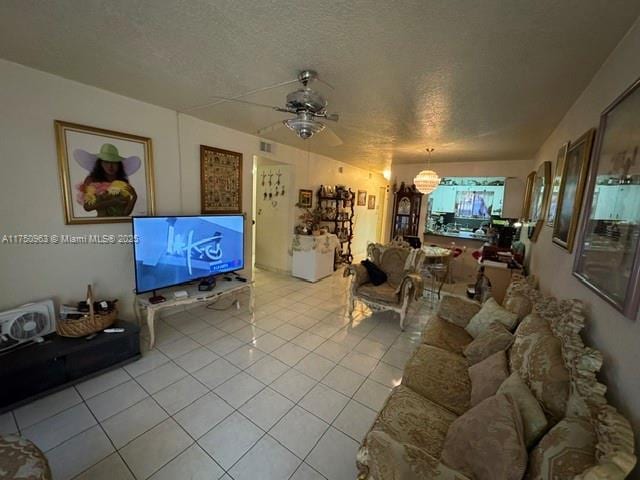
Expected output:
(266, 147)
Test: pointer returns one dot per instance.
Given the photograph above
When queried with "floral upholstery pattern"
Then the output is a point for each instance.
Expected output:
(384, 292)
(392, 262)
(440, 376)
(518, 304)
(457, 310)
(525, 335)
(487, 376)
(446, 335)
(489, 313)
(495, 338)
(486, 443)
(567, 450)
(534, 421)
(20, 458)
(394, 460)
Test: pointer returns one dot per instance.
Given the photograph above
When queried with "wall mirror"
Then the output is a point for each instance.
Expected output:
(539, 197)
(608, 258)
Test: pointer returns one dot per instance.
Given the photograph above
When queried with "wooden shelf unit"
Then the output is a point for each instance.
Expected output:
(342, 204)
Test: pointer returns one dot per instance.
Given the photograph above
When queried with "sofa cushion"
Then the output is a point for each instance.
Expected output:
(384, 292)
(446, 335)
(457, 310)
(441, 376)
(393, 263)
(20, 458)
(518, 304)
(567, 450)
(390, 459)
(533, 419)
(486, 443)
(494, 339)
(525, 334)
(489, 313)
(487, 376)
(410, 418)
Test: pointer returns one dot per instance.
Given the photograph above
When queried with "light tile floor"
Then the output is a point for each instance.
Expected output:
(286, 393)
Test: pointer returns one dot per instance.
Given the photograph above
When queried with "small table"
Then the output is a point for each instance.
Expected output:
(435, 255)
(221, 290)
(436, 252)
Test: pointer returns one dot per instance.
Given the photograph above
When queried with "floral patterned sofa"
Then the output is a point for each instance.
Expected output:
(500, 392)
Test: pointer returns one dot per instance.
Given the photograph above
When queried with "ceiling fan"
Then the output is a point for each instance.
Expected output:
(307, 104)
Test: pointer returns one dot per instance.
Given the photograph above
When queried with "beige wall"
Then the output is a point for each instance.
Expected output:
(616, 336)
(30, 195)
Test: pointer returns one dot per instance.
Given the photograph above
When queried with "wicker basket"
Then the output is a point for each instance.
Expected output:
(88, 324)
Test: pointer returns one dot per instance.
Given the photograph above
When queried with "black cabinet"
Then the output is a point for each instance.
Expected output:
(34, 370)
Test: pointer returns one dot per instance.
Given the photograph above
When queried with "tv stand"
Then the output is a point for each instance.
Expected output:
(144, 307)
(156, 298)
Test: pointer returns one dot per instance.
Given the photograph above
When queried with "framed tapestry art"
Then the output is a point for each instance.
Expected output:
(305, 198)
(106, 176)
(608, 257)
(220, 180)
(574, 177)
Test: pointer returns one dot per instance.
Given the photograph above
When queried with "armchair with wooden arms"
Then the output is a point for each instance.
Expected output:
(404, 283)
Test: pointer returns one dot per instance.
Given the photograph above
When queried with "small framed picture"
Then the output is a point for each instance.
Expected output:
(220, 180)
(106, 176)
(305, 198)
(372, 202)
(362, 198)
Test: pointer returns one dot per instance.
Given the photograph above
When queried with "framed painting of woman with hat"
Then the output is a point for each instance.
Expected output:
(106, 176)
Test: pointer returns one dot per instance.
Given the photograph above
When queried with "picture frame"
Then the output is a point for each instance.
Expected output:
(106, 176)
(362, 198)
(608, 253)
(528, 191)
(572, 186)
(371, 202)
(305, 198)
(220, 180)
(555, 185)
(539, 198)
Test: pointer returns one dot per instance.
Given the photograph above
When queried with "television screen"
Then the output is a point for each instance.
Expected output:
(174, 250)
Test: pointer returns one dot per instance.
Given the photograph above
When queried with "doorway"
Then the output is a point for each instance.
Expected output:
(273, 207)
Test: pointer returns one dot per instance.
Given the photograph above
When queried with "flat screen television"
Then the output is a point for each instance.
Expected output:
(174, 250)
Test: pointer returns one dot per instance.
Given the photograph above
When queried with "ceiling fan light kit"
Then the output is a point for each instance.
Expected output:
(304, 125)
(427, 180)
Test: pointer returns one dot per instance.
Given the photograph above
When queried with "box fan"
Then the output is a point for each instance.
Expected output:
(27, 323)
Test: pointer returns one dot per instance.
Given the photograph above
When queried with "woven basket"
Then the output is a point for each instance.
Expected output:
(88, 324)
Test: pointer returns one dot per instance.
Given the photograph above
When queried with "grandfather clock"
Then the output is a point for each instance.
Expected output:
(407, 201)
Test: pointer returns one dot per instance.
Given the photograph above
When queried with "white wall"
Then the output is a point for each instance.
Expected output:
(30, 193)
(616, 336)
(407, 172)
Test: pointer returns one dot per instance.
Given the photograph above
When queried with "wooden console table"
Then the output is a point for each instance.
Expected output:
(222, 289)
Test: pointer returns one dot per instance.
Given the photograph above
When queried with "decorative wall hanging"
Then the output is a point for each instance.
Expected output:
(220, 180)
(305, 198)
(528, 192)
(608, 257)
(555, 186)
(362, 198)
(106, 176)
(539, 198)
(574, 177)
(371, 205)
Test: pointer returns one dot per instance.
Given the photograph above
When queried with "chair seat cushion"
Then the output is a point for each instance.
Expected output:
(446, 335)
(20, 458)
(441, 376)
(408, 417)
(385, 293)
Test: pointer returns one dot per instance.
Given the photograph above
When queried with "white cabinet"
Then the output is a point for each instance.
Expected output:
(617, 202)
(444, 199)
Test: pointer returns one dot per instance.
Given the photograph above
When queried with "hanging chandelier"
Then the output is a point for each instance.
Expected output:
(427, 180)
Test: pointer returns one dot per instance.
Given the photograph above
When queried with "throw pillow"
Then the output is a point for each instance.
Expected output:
(518, 304)
(494, 339)
(533, 418)
(487, 376)
(489, 313)
(567, 450)
(486, 442)
(457, 310)
(376, 276)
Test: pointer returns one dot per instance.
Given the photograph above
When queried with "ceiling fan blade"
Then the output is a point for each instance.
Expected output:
(330, 137)
(270, 128)
(220, 100)
(334, 117)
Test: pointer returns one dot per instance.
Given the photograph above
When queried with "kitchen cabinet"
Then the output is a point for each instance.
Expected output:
(444, 199)
(617, 202)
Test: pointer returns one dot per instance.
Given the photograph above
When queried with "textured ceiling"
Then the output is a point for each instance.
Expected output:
(477, 80)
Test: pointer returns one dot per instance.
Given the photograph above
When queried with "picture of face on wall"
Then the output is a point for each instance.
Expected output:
(362, 198)
(106, 176)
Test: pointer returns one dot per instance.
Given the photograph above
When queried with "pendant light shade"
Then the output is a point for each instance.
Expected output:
(427, 180)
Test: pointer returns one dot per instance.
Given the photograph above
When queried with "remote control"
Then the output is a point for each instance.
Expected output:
(113, 330)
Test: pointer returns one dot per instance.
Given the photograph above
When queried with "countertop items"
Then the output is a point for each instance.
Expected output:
(466, 235)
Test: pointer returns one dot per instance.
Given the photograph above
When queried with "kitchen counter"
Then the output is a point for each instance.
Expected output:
(463, 235)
